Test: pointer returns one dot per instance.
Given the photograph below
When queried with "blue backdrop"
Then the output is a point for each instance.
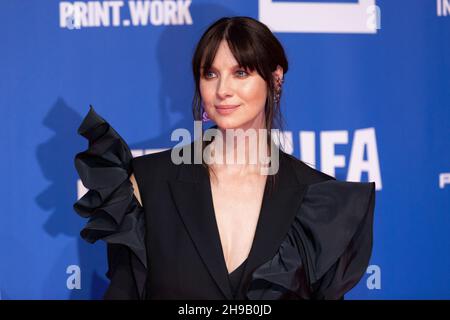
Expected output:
(366, 98)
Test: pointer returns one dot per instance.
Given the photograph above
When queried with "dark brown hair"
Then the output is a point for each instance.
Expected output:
(254, 47)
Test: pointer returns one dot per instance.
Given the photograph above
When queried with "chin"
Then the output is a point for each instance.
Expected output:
(228, 123)
(237, 120)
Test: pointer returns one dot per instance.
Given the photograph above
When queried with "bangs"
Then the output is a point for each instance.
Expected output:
(240, 43)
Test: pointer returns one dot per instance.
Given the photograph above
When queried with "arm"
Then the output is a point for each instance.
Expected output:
(135, 188)
(120, 273)
(115, 215)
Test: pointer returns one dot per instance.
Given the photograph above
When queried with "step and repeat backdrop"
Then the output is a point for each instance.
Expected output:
(366, 98)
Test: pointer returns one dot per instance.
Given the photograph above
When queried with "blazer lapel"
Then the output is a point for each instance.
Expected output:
(192, 195)
(276, 217)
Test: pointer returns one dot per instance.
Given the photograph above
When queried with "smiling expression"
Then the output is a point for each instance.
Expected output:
(232, 96)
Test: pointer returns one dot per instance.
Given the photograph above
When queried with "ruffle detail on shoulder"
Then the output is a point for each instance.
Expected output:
(327, 248)
(114, 213)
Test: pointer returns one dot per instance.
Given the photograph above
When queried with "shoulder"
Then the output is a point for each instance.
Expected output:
(152, 170)
(329, 241)
(148, 169)
(305, 173)
(158, 164)
(336, 192)
(158, 159)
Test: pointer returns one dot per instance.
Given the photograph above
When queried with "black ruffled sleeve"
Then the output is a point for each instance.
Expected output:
(327, 249)
(115, 216)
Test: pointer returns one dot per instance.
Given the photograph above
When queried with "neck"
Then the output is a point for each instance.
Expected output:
(240, 150)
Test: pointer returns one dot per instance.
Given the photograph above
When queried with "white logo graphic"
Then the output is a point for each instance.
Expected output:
(374, 280)
(361, 17)
(82, 14)
(74, 280)
(363, 139)
(81, 189)
(443, 7)
(70, 23)
(363, 156)
(444, 178)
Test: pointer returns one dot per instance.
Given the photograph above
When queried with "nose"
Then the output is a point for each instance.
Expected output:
(224, 88)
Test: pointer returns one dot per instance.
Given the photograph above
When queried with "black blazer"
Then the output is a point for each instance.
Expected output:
(313, 238)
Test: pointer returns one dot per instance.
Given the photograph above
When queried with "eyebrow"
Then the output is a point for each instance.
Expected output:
(235, 66)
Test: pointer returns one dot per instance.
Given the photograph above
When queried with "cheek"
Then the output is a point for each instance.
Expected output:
(207, 95)
(206, 91)
(254, 93)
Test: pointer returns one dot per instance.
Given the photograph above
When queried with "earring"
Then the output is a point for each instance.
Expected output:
(278, 89)
(205, 117)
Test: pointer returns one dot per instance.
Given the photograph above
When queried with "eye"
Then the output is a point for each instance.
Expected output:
(207, 74)
(242, 73)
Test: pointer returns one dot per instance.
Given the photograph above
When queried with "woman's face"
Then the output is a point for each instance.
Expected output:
(233, 97)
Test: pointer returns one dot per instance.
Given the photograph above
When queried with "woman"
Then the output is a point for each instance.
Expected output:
(223, 230)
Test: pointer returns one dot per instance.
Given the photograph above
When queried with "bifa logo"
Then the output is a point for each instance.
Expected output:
(363, 158)
(302, 16)
(444, 179)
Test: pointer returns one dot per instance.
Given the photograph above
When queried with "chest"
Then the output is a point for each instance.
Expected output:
(237, 206)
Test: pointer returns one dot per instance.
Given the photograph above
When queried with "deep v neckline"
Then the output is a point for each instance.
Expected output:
(238, 268)
(192, 195)
(235, 277)
(217, 232)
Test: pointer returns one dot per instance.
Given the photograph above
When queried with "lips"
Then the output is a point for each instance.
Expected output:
(226, 109)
